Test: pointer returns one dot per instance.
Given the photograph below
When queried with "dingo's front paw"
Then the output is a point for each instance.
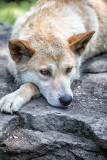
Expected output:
(12, 103)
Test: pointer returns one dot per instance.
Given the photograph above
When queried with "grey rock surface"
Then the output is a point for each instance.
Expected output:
(42, 132)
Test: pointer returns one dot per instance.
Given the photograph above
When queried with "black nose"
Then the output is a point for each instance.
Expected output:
(65, 100)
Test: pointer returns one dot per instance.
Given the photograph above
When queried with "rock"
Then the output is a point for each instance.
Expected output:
(38, 144)
(95, 65)
(7, 124)
(42, 132)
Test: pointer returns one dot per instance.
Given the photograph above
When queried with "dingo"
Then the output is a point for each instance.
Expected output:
(48, 45)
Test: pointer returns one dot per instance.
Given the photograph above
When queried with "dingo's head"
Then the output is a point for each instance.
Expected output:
(50, 64)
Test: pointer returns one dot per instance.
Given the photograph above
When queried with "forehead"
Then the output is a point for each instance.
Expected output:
(50, 45)
(59, 61)
(52, 50)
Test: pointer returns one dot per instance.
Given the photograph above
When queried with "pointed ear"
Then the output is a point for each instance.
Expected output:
(78, 42)
(18, 48)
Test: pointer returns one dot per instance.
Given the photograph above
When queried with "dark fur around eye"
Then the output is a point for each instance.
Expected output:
(45, 72)
(68, 70)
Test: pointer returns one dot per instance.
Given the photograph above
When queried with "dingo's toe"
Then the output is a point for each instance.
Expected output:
(11, 103)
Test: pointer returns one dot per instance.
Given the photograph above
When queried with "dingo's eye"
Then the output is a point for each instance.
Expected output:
(45, 72)
(68, 70)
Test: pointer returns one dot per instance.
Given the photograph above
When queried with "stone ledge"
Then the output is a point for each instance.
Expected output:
(61, 146)
(7, 124)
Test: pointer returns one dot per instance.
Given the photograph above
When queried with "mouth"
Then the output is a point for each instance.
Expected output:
(62, 107)
(62, 101)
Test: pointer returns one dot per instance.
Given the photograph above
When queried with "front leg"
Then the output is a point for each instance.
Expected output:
(14, 101)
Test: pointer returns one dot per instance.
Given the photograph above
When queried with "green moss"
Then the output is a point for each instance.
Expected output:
(10, 11)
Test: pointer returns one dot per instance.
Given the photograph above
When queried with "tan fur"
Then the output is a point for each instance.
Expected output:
(18, 98)
(49, 44)
(28, 90)
(100, 7)
(41, 19)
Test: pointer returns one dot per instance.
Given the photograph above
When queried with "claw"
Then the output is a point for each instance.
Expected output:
(11, 109)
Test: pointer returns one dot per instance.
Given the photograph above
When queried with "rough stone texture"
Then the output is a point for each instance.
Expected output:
(7, 124)
(42, 132)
